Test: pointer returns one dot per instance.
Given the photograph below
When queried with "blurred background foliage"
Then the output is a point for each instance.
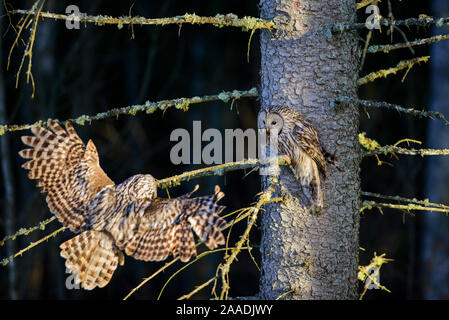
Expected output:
(97, 68)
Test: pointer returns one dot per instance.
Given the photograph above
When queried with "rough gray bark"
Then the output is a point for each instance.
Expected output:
(435, 247)
(305, 67)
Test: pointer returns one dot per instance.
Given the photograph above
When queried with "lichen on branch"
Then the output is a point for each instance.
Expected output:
(26, 231)
(217, 170)
(405, 64)
(149, 107)
(406, 151)
(402, 203)
(220, 20)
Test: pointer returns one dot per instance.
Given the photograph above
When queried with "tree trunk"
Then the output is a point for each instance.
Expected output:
(435, 248)
(304, 66)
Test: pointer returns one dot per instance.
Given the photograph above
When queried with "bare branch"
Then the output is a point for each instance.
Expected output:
(148, 107)
(419, 22)
(386, 105)
(389, 47)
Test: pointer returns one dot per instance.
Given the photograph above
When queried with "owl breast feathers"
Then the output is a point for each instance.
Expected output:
(299, 140)
(113, 218)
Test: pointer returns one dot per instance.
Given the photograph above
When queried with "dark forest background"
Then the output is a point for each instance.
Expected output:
(97, 68)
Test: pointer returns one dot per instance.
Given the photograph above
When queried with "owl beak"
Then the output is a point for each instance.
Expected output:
(268, 130)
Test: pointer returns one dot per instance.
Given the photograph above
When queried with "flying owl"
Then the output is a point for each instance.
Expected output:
(299, 140)
(111, 218)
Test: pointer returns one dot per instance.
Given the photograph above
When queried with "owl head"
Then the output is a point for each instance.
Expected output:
(275, 118)
(144, 187)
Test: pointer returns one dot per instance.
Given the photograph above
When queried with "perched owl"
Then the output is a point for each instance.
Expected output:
(297, 139)
(112, 218)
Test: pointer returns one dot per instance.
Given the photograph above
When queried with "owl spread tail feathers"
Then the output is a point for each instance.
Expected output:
(92, 257)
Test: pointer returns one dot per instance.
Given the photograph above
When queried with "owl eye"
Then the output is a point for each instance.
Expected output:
(274, 123)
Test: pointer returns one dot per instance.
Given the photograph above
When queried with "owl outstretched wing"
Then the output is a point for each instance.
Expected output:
(66, 169)
(166, 227)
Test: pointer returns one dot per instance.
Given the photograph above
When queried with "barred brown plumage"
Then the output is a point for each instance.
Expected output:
(113, 218)
(299, 140)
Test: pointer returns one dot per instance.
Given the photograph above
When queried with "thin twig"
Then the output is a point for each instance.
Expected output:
(5, 261)
(284, 294)
(22, 24)
(35, 10)
(168, 264)
(197, 289)
(224, 268)
(367, 41)
(23, 231)
(389, 47)
(200, 256)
